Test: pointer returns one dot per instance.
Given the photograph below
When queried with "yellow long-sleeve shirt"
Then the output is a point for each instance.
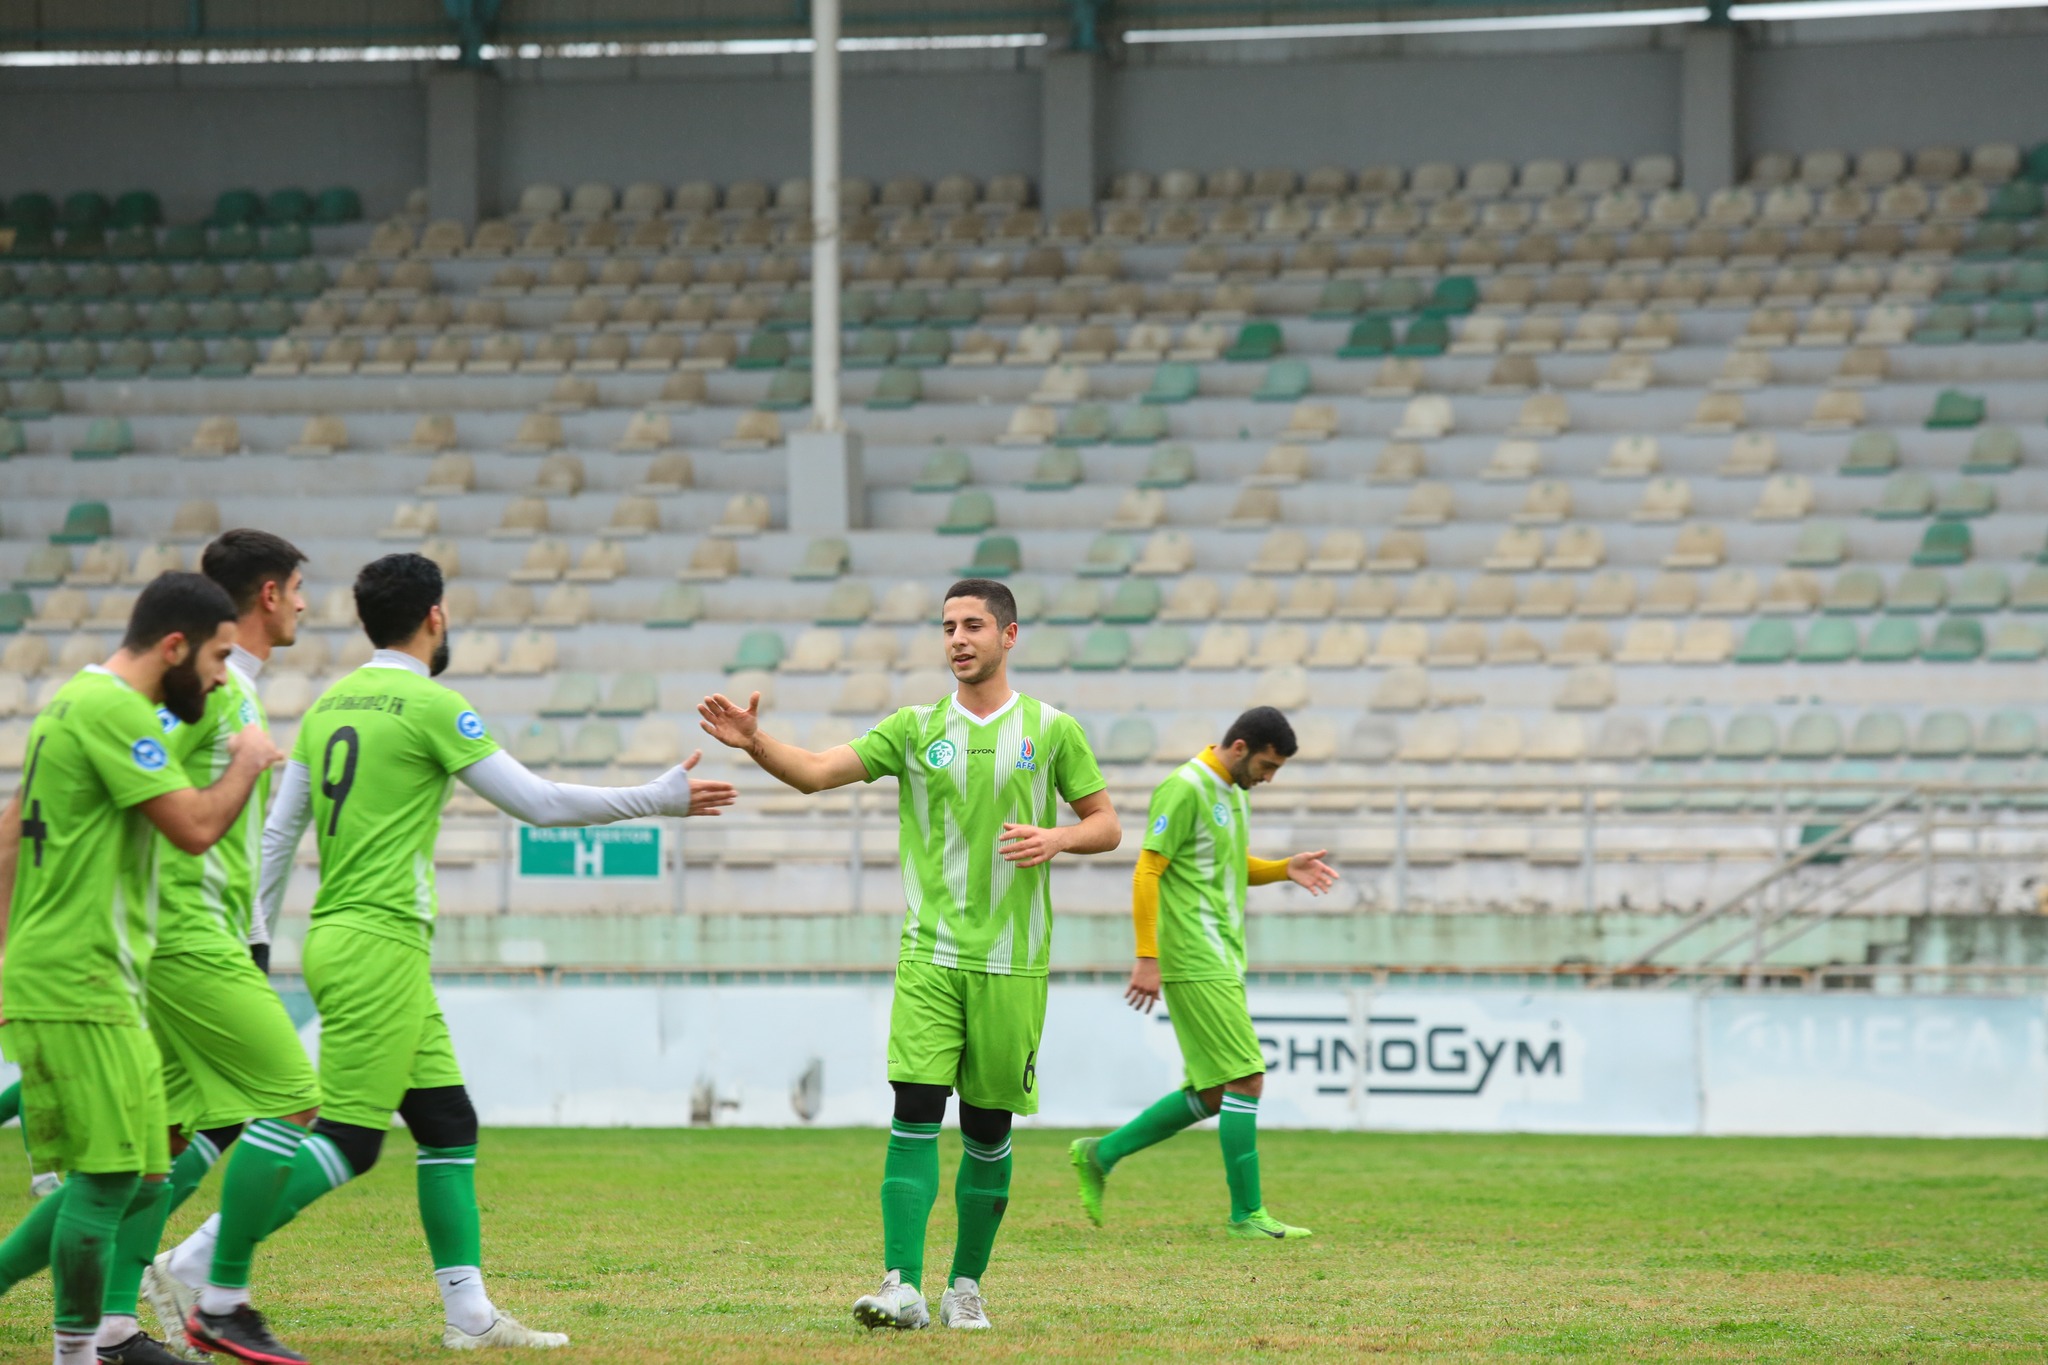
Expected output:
(1145, 881)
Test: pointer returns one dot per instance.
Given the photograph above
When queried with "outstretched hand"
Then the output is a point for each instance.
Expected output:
(692, 796)
(1310, 871)
(726, 721)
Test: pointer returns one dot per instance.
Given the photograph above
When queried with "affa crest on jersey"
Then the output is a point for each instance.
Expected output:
(1159, 825)
(1220, 813)
(148, 754)
(469, 725)
(166, 719)
(1027, 757)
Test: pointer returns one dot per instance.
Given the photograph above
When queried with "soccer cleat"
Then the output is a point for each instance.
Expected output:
(505, 1332)
(241, 1334)
(1081, 1152)
(44, 1185)
(1264, 1227)
(895, 1304)
(138, 1350)
(170, 1298)
(961, 1307)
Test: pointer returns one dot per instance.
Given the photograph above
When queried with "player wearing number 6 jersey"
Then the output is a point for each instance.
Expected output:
(371, 770)
(979, 776)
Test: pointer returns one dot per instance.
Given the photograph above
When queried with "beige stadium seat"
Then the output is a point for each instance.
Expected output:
(323, 435)
(1221, 647)
(1428, 416)
(1670, 594)
(1030, 425)
(1481, 334)
(1396, 377)
(1340, 552)
(1664, 499)
(1544, 599)
(1717, 414)
(1399, 644)
(523, 519)
(1200, 343)
(1398, 552)
(1398, 462)
(1192, 599)
(538, 432)
(1699, 546)
(1252, 599)
(546, 560)
(445, 553)
(412, 521)
(1309, 599)
(1785, 497)
(1887, 324)
(152, 560)
(1458, 646)
(1281, 466)
(196, 520)
(1648, 642)
(1730, 592)
(1594, 332)
(746, 514)
(1861, 367)
(1514, 461)
(1166, 554)
(1582, 642)
(1795, 592)
(1768, 328)
(1430, 597)
(447, 355)
(565, 607)
(1543, 414)
(62, 610)
(1753, 455)
(216, 436)
(559, 475)
(529, 654)
(711, 559)
(1368, 598)
(1428, 504)
(1705, 642)
(1284, 551)
(1062, 385)
(648, 430)
(602, 561)
(1512, 374)
(570, 394)
(511, 604)
(635, 516)
(100, 565)
(1742, 370)
(815, 651)
(1837, 410)
(755, 431)
(1547, 502)
(286, 356)
(1578, 549)
(1341, 645)
(1280, 646)
(1431, 740)
(1310, 422)
(473, 654)
(1829, 326)
(904, 604)
(1254, 509)
(1139, 509)
(1518, 550)
(1145, 344)
(1537, 336)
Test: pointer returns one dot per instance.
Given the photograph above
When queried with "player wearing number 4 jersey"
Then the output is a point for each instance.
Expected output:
(1187, 903)
(79, 893)
(371, 771)
(979, 776)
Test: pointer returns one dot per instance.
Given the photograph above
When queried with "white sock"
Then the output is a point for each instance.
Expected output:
(214, 1299)
(193, 1257)
(74, 1348)
(464, 1300)
(116, 1328)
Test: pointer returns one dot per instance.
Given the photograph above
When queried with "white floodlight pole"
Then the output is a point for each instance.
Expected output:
(825, 215)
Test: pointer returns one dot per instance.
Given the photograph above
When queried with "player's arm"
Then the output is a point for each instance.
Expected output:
(1098, 832)
(521, 793)
(739, 727)
(290, 812)
(1142, 991)
(10, 853)
(195, 818)
(1306, 870)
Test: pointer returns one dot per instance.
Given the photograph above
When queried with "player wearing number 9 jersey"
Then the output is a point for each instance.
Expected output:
(374, 761)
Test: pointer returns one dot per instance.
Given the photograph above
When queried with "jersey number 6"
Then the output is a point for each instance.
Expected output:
(336, 788)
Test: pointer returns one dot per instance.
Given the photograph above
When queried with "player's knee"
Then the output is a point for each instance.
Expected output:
(221, 1138)
(440, 1116)
(359, 1146)
(917, 1102)
(986, 1126)
(1253, 1086)
(1212, 1099)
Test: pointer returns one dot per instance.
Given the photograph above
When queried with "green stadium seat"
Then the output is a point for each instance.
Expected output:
(165, 319)
(16, 320)
(1919, 592)
(764, 351)
(232, 358)
(235, 206)
(1995, 451)
(97, 282)
(32, 209)
(181, 359)
(1872, 453)
(2005, 322)
(15, 608)
(1751, 737)
(1339, 300)
(12, 439)
(1131, 739)
(1399, 295)
(631, 694)
(1286, 381)
(901, 308)
(1426, 336)
(201, 282)
(759, 651)
(825, 558)
(788, 391)
(1030, 597)
(2016, 642)
(1876, 735)
(82, 244)
(1043, 650)
(113, 320)
(792, 313)
(2014, 201)
(131, 244)
(1942, 735)
(337, 205)
(680, 604)
(928, 348)
(23, 360)
(1174, 382)
(945, 470)
(1453, 296)
(1814, 737)
(994, 557)
(1954, 409)
(1103, 649)
(1830, 640)
(595, 745)
(872, 349)
(2031, 593)
(1109, 556)
(288, 206)
(898, 388)
(1946, 542)
(34, 401)
(1957, 640)
(85, 208)
(1134, 603)
(107, 438)
(1077, 603)
(1704, 797)
(856, 308)
(1170, 467)
(1369, 337)
(137, 208)
(1058, 467)
(307, 279)
(537, 744)
(217, 318)
(1968, 283)
(574, 694)
(2009, 734)
(1659, 791)
(1139, 426)
(1966, 500)
(236, 243)
(75, 359)
(1256, 342)
(1947, 324)
(1767, 641)
(1855, 592)
(286, 242)
(1687, 738)
(1978, 591)
(182, 242)
(972, 511)
(269, 318)
(1893, 640)
(1086, 424)
(1906, 496)
(956, 308)
(60, 320)
(1847, 800)
(84, 524)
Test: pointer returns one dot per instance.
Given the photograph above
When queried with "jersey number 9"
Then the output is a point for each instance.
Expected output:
(335, 787)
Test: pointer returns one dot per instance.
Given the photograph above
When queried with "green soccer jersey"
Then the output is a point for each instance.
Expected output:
(83, 925)
(959, 781)
(214, 894)
(382, 746)
(1197, 821)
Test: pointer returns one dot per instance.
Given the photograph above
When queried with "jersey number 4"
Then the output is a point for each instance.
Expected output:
(335, 786)
(33, 827)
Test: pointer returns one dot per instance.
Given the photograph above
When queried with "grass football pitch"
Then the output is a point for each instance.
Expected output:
(743, 1245)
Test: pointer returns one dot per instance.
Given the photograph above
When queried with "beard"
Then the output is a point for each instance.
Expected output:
(184, 694)
(439, 663)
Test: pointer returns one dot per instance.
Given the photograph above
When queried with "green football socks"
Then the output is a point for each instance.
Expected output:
(10, 1103)
(81, 1247)
(448, 1212)
(1161, 1121)
(135, 1245)
(1238, 1130)
(26, 1251)
(318, 1168)
(258, 1173)
(189, 1170)
(910, 1186)
(981, 1193)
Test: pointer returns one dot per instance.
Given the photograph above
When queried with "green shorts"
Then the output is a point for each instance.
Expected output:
(92, 1097)
(975, 1031)
(1214, 1027)
(230, 1051)
(381, 1030)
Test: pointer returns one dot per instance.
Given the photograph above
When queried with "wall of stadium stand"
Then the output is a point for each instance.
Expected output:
(189, 132)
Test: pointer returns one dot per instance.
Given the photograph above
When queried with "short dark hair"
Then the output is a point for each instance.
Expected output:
(187, 604)
(1262, 728)
(243, 560)
(998, 596)
(394, 595)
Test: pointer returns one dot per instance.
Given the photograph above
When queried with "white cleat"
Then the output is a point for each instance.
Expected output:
(895, 1304)
(44, 1185)
(961, 1307)
(172, 1300)
(505, 1332)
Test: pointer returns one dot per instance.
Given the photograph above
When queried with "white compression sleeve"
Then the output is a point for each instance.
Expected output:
(289, 815)
(521, 793)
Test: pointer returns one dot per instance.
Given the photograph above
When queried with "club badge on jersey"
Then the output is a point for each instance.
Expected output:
(939, 753)
(1027, 757)
(149, 755)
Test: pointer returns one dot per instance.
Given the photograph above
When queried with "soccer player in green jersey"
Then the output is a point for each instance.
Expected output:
(230, 1051)
(374, 762)
(79, 892)
(1188, 908)
(979, 775)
